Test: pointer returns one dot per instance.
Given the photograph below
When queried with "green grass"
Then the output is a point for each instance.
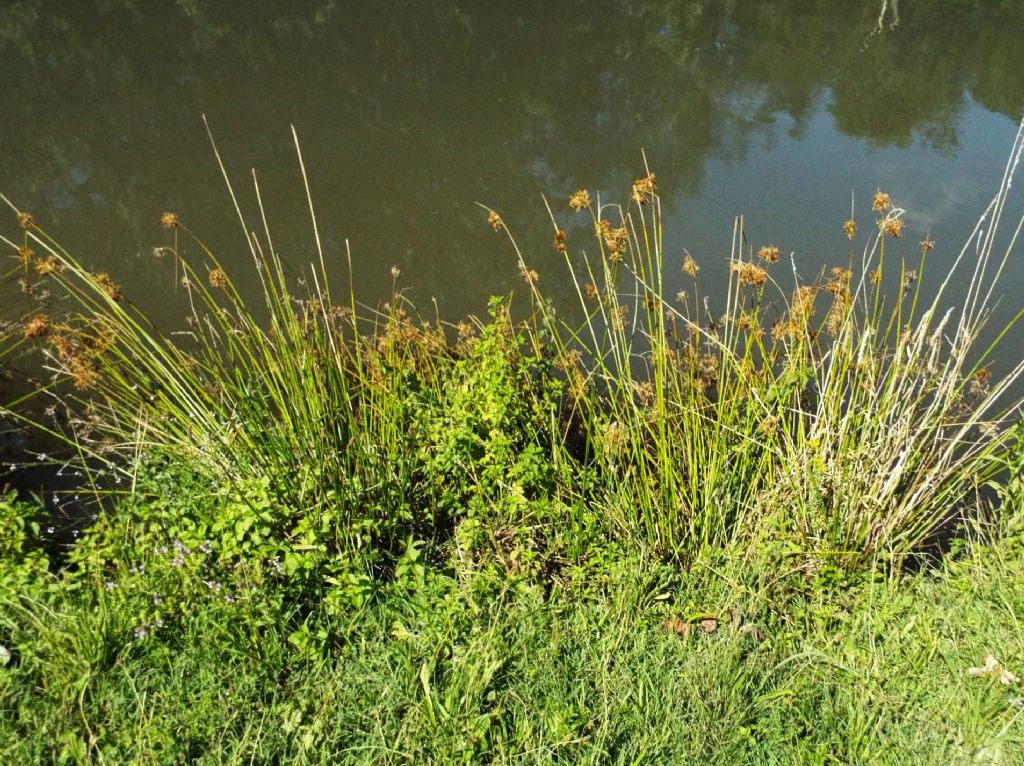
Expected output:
(484, 667)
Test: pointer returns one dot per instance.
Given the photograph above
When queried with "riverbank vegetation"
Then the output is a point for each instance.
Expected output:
(778, 525)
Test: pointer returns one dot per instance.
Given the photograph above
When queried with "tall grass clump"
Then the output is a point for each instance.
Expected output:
(850, 423)
(848, 419)
(342, 440)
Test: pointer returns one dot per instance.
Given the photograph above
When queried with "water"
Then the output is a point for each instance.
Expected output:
(411, 113)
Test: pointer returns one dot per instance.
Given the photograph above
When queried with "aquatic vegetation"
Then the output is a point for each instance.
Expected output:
(842, 423)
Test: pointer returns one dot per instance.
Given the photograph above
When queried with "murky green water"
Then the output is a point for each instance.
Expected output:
(410, 113)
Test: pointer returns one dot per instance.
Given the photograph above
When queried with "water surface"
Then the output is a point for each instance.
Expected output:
(410, 113)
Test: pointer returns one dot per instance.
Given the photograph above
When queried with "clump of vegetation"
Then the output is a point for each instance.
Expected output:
(310, 480)
(851, 425)
(855, 426)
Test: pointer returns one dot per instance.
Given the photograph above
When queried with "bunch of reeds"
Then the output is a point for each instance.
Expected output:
(851, 421)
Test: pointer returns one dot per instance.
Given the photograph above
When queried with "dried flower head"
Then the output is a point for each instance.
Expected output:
(690, 266)
(559, 241)
(802, 305)
(644, 188)
(395, 272)
(591, 291)
(769, 253)
(169, 221)
(529, 275)
(749, 273)
(25, 256)
(37, 325)
(26, 221)
(850, 229)
(579, 200)
(881, 202)
(108, 285)
(840, 282)
(48, 265)
(616, 239)
(875, 276)
(83, 373)
(842, 299)
(218, 279)
(926, 244)
(893, 227)
(909, 277)
(494, 220)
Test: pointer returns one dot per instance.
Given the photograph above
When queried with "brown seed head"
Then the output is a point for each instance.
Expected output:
(748, 273)
(109, 286)
(25, 256)
(839, 284)
(850, 229)
(644, 188)
(48, 265)
(803, 302)
(616, 239)
(769, 253)
(926, 244)
(26, 221)
(591, 291)
(529, 275)
(579, 200)
(37, 325)
(494, 220)
(83, 373)
(170, 221)
(559, 241)
(893, 227)
(218, 279)
(690, 266)
(881, 202)
(875, 276)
